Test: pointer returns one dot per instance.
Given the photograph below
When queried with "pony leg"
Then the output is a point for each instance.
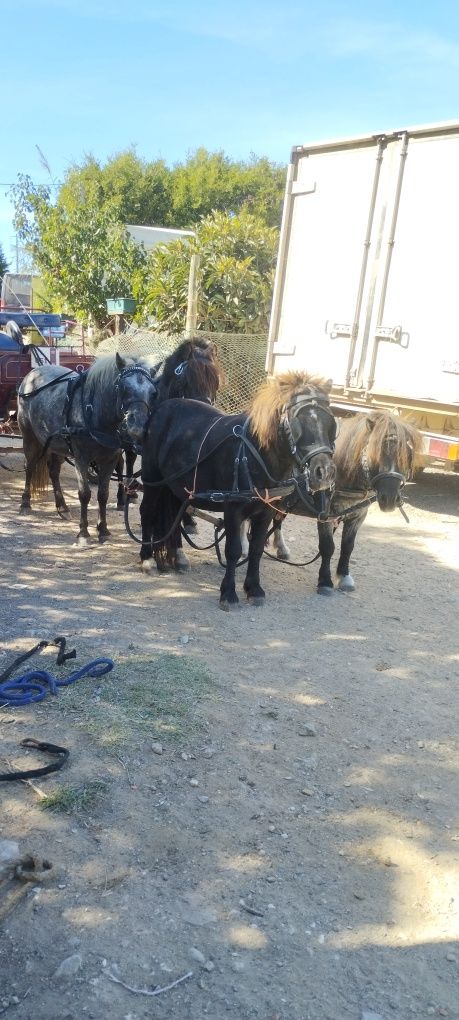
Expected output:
(129, 458)
(326, 550)
(244, 539)
(54, 466)
(105, 473)
(350, 529)
(119, 471)
(189, 524)
(84, 495)
(158, 510)
(232, 519)
(258, 530)
(281, 547)
(147, 507)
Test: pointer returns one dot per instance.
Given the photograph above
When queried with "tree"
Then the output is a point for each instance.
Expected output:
(4, 267)
(84, 256)
(207, 182)
(78, 241)
(237, 261)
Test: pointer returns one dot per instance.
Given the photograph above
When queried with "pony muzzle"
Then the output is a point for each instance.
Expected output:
(322, 472)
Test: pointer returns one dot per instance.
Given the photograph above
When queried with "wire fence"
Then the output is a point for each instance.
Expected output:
(241, 355)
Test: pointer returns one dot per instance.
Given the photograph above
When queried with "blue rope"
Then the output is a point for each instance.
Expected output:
(37, 683)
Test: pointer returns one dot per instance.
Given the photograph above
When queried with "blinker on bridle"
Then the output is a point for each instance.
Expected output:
(295, 405)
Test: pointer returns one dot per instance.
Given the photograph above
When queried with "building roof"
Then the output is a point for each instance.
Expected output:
(151, 236)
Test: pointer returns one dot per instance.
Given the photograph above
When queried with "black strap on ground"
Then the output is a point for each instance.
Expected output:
(38, 745)
(62, 655)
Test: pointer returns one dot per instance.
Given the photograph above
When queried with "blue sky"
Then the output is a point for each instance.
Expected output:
(97, 76)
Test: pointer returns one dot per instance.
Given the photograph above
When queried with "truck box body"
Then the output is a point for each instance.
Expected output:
(366, 289)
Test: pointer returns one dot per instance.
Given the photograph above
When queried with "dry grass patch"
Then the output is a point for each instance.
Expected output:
(158, 696)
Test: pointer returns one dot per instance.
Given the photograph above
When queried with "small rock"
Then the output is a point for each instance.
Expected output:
(307, 793)
(203, 799)
(271, 828)
(69, 967)
(209, 966)
(194, 782)
(359, 896)
(381, 666)
(451, 957)
(307, 730)
(184, 639)
(369, 1014)
(237, 966)
(9, 851)
(197, 955)
(157, 748)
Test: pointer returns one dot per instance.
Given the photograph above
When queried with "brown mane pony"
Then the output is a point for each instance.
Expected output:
(201, 376)
(273, 395)
(370, 433)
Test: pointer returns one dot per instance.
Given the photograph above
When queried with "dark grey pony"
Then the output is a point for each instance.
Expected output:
(88, 416)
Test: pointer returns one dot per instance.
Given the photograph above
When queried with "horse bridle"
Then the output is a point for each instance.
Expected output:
(294, 407)
(129, 370)
(371, 481)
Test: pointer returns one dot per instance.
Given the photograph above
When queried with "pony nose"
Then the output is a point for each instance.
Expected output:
(322, 472)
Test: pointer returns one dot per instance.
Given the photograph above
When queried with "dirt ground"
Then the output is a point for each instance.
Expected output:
(267, 799)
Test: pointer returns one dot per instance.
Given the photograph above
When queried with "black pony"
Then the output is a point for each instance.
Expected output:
(375, 454)
(192, 371)
(194, 454)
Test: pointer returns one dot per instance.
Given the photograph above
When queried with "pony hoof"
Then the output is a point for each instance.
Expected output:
(346, 583)
(191, 528)
(120, 508)
(146, 566)
(228, 607)
(256, 600)
(24, 510)
(323, 590)
(182, 568)
(283, 555)
(64, 513)
(82, 541)
(104, 537)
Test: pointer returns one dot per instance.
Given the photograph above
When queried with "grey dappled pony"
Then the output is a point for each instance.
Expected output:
(89, 416)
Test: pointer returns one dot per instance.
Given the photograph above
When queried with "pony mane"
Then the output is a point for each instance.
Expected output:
(370, 433)
(272, 396)
(104, 372)
(202, 376)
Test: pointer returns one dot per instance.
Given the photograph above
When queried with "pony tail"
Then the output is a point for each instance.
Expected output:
(40, 477)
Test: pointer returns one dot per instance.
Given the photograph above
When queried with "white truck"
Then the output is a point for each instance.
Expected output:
(367, 282)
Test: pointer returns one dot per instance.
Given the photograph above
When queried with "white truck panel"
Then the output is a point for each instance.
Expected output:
(369, 239)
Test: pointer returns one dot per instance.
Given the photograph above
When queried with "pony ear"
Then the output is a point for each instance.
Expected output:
(120, 362)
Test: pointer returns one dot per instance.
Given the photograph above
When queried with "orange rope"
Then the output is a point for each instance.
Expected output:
(269, 501)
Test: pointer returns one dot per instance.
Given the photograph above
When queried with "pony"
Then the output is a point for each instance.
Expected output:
(195, 455)
(191, 371)
(90, 415)
(375, 454)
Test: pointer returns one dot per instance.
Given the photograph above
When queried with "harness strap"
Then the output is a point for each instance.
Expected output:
(53, 382)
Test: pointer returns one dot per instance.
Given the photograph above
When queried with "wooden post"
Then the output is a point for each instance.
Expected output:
(193, 290)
